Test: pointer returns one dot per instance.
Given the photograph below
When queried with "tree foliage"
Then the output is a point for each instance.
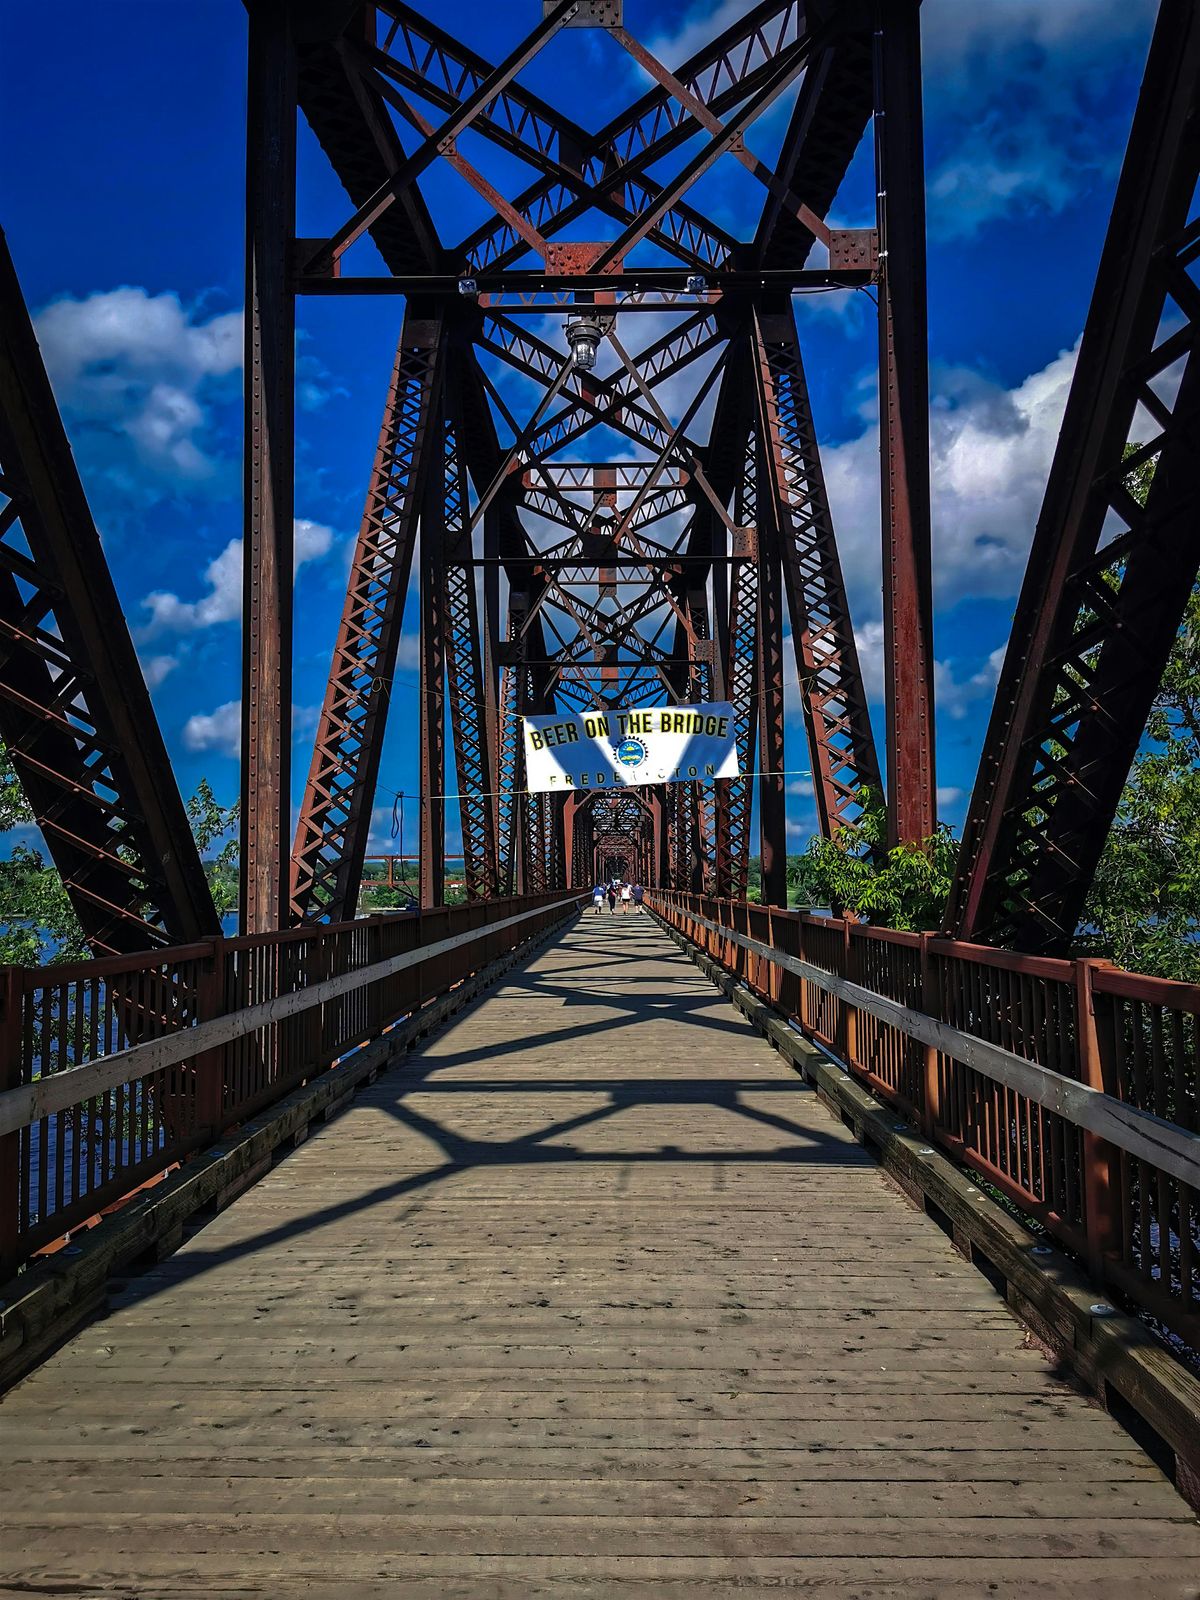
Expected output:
(37, 921)
(1144, 907)
(1143, 910)
(211, 823)
(904, 887)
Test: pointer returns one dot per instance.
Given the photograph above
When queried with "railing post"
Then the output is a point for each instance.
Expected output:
(931, 1005)
(210, 1064)
(1101, 1165)
(849, 1012)
(11, 994)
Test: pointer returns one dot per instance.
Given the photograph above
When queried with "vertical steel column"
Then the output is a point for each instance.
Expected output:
(464, 666)
(794, 510)
(433, 676)
(740, 633)
(269, 452)
(772, 802)
(510, 753)
(904, 423)
(335, 816)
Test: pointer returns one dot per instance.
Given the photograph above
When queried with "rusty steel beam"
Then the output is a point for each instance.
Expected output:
(463, 650)
(353, 127)
(738, 635)
(269, 452)
(335, 817)
(75, 714)
(358, 66)
(841, 745)
(432, 720)
(904, 426)
(772, 799)
(607, 170)
(489, 88)
(832, 111)
(1108, 577)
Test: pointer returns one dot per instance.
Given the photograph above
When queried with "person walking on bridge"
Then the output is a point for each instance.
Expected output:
(639, 894)
(612, 895)
(598, 898)
(626, 898)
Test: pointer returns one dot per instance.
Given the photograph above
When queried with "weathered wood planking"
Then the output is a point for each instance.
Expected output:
(591, 1297)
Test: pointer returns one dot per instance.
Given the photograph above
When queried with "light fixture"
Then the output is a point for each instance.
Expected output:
(696, 284)
(467, 286)
(583, 338)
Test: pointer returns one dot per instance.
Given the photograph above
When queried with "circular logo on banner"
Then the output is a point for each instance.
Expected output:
(630, 752)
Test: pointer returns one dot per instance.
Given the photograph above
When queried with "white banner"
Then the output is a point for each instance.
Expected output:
(618, 749)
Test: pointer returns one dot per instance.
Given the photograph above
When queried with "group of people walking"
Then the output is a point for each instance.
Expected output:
(629, 894)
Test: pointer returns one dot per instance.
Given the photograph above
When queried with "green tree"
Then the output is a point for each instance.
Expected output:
(1143, 910)
(37, 921)
(904, 887)
(1144, 907)
(212, 822)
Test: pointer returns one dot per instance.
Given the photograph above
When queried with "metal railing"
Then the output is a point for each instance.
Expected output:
(113, 1070)
(1069, 1086)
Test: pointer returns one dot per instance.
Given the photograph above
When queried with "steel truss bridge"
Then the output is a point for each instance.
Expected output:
(650, 526)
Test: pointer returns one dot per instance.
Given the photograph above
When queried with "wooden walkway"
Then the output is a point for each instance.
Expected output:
(590, 1298)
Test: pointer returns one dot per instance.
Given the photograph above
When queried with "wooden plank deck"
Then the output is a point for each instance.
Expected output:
(591, 1297)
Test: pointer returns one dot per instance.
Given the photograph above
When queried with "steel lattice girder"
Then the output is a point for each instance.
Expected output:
(606, 170)
(739, 636)
(841, 744)
(75, 713)
(335, 818)
(748, 63)
(464, 667)
(1098, 613)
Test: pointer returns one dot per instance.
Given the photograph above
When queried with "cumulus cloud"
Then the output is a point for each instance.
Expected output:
(219, 730)
(1024, 105)
(223, 602)
(156, 668)
(1026, 101)
(143, 369)
(990, 453)
(958, 697)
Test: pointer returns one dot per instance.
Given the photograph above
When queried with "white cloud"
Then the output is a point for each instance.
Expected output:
(948, 795)
(156, 668)
(1024, 105)
(223, 602)
(408, 651)
(144, 367)
(219, 730)
(957, 697)
(990, 453)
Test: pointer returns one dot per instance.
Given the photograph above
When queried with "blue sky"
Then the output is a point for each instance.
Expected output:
(124, 216)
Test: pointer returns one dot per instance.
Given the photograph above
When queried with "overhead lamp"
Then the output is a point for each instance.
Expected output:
(468, 286)
(583, 340)
(696, 284)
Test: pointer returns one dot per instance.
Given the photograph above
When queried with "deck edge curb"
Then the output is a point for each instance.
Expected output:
(1114, 1355)
(50, 1302)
